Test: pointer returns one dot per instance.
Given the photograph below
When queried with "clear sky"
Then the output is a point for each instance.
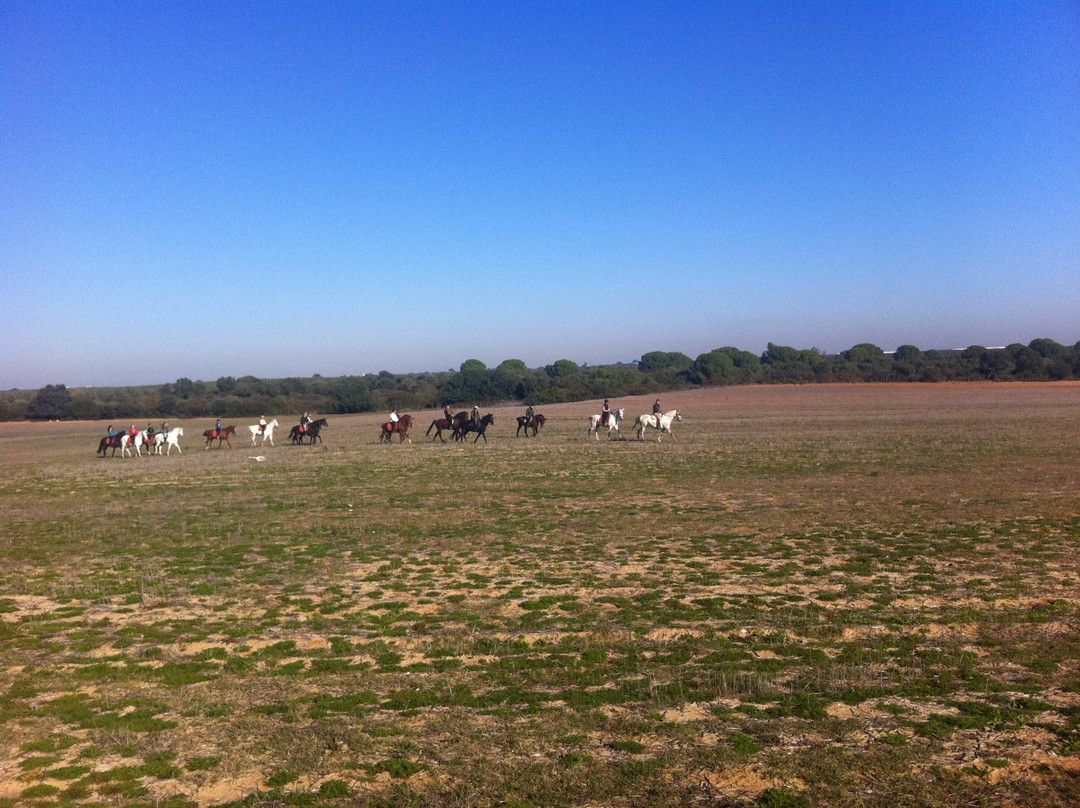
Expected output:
(205, 189)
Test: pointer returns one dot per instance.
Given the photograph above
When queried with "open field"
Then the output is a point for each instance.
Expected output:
(820, 596)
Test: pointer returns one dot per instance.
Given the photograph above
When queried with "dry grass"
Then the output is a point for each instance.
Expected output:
(840, 595)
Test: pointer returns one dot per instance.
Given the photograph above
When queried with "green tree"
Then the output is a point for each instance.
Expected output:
(779, 354)
(563, 368)
(249, 386)
(863, 352)
(470, 384)
(714, 367)
(1028, 364)
(473, 366)
(908, 363)
(907, 353)
(995, 364)
(51, 403)
(351, 394)
(1048, 349)
(655, 361)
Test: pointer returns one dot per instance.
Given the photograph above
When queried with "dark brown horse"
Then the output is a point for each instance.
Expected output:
(310, 431)
(401, 428)
(222, 436)
(109, 443)
(439, 424)
(479, 427)
(533, 423)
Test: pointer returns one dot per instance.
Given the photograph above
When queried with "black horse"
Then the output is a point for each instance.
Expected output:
(311, 433)
(534, 423)
(479, 427)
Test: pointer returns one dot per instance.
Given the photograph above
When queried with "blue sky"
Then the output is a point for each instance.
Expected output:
(199, 189)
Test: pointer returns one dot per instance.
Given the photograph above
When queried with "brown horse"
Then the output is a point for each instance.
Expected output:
(223, 436)
(401, 428)
(439, 424)
(533, 423)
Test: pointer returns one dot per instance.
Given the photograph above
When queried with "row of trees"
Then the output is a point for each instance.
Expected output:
(564, 380)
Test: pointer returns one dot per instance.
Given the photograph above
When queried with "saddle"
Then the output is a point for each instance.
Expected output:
(390, 426)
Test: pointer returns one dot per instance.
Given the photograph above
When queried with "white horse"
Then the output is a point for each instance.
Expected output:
(127, 440)
(171, 440)
(661, 423)
(267, 434)
(613, 423)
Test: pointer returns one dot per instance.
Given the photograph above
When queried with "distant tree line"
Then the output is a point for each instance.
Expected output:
(476, 384)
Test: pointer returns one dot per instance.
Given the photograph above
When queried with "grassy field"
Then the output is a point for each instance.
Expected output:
(820, 596)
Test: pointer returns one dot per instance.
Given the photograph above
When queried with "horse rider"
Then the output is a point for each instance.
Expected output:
(305, 419)
(448, 414)
(165, 428)
(474, 416)
(149, 433)
(112, 436)
(133, 432)
(529, 413)
(217, 428)
(605, 412)
(657, 412)
(262, 424)
(394, 418)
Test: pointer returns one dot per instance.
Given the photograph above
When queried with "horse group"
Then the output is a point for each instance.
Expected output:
(126, 442)
(661, 422)
(460, 426)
